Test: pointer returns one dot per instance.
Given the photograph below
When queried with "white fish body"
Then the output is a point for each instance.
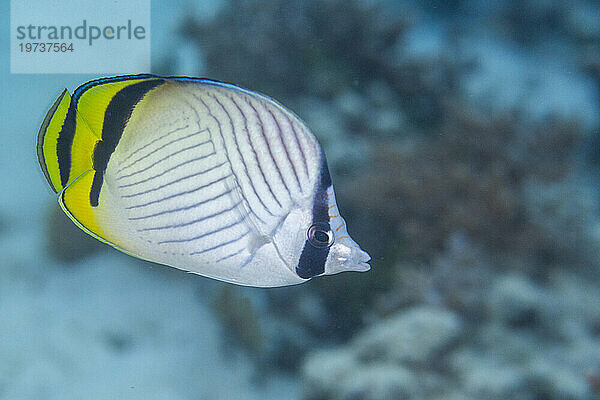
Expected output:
(199, 175)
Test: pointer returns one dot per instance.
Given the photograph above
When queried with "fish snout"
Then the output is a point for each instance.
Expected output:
(359, 260)
(348, 257)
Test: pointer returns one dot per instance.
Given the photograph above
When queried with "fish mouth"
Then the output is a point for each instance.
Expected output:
(353, 266)
(359, 262)
(361, 267)
(358, 266)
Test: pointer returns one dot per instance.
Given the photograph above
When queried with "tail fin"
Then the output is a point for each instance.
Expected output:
(65, 144)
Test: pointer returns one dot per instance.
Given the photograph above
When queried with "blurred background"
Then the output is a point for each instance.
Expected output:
(464, 142)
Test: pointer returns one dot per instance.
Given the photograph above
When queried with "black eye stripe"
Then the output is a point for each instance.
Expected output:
(312, 259)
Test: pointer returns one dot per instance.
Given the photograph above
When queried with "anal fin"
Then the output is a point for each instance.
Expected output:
(75, 202)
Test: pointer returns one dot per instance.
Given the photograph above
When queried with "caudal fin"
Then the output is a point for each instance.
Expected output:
(65, 144)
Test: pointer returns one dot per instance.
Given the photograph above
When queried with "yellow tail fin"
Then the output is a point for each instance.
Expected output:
(65, 143)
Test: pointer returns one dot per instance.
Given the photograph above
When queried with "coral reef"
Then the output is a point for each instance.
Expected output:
(274, 46)
(397, 358)
(531, 343)
(416, 336)
(485, 178)
(324, 49)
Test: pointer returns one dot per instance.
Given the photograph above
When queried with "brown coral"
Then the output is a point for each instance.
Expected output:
(468, 177)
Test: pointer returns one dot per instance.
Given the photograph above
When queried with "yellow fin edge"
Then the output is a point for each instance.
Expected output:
(74, 201)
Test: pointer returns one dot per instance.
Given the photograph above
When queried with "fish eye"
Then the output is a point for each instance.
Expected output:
(320, 235)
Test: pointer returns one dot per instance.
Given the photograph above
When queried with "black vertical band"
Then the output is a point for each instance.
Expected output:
(64, 143)
(312, 259)
(116, 116)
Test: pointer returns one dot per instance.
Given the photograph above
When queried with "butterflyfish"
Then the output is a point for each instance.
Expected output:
(199, 175)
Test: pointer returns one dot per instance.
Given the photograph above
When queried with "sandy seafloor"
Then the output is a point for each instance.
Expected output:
(107, 326)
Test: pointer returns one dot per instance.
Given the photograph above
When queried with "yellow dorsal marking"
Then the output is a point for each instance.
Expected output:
(93, 102)
(82, 149)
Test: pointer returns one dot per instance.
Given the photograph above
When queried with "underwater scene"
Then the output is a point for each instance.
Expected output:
(463, 142)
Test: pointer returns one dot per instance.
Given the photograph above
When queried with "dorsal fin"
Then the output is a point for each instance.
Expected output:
(92, 98)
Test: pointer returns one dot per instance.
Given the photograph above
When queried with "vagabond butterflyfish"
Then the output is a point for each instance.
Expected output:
(199, 175)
